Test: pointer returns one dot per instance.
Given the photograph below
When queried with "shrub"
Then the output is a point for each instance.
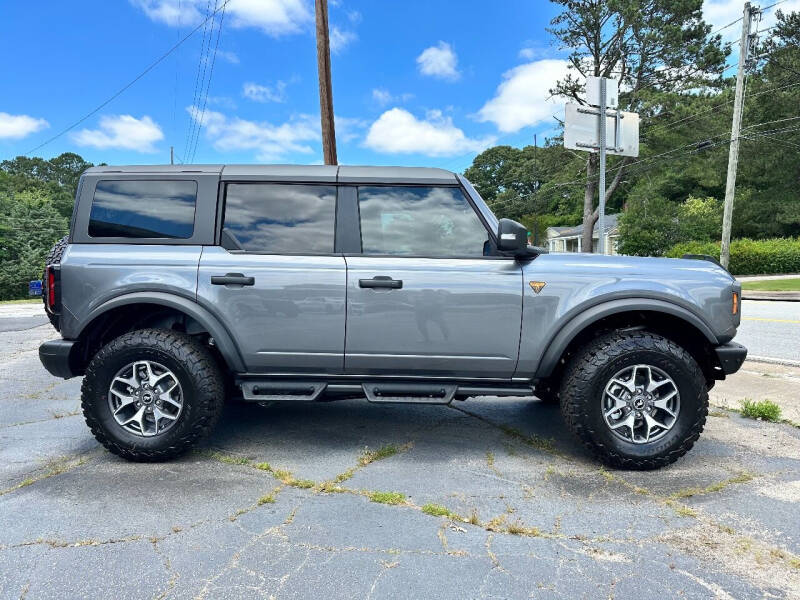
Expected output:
(750, 257)
(766, 410)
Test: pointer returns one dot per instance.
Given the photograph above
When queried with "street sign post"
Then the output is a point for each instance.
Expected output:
(588, 127)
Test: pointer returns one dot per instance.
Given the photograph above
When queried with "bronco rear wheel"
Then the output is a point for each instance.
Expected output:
(151, 394)
(636, 399)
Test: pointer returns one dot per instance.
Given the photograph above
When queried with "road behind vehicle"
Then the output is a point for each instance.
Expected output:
(177, 286)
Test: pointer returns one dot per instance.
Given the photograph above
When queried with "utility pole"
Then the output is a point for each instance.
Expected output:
(325, 88)
(172, 155)
(733, 151)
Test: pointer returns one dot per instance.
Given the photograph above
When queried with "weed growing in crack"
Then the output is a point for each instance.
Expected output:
(437, 510)
(762, 410)
(386, 497)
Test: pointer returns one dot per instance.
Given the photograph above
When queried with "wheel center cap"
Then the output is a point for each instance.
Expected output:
(638, 402)
(147, 398)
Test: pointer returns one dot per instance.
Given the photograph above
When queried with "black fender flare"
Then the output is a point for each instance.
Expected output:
(577, 323)
(222, 338)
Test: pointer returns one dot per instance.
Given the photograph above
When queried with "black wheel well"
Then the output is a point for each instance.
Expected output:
(130, 317)
(669, 326)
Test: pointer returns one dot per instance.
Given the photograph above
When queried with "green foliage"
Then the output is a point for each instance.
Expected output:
(437, 510)
(514, 181)
(650, 227)
(386, 497)
(36, 199)
(766, 410)
(685, 129)
(28, 229)
(750, 257)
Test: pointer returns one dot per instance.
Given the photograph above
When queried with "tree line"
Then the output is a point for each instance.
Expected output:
(673, 72)
(36, 200)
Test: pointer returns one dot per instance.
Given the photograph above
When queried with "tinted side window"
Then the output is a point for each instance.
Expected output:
(421, 221)
(143, 209)
(279, 218)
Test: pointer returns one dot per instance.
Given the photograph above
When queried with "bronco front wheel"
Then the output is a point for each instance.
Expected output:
(636, 399)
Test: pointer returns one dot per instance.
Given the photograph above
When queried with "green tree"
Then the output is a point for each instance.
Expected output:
(29, 228)
(649, 46)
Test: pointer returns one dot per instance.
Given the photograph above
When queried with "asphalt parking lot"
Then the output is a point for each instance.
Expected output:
(335, 500)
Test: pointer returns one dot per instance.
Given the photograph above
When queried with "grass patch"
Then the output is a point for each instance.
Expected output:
(773, 285)
(437, 510)
(37, 300)
(765, 410)
(387, 497)
(743, 477)
(266, 499)
(370, 456)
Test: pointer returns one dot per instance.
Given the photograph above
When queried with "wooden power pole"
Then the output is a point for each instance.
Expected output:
(325, 88)
(733, 152)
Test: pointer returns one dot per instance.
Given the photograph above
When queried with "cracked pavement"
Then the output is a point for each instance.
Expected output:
(277, 504)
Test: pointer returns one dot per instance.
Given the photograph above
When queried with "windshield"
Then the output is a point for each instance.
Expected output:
(479, 203)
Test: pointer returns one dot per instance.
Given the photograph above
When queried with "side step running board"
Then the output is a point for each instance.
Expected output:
(262, 391)
(417, 393)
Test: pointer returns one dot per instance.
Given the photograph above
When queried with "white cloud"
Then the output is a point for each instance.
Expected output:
(228, 56)
(383, 97)
(397, 131)
(265, 93)
(523, 98)
(122, 132)
(274, 17)
(439, 61)
(349, 128)
(270, 142)
(719, 13)
(340, 39)
(15, 127)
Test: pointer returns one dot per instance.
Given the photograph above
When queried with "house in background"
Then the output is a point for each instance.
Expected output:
(568, 239)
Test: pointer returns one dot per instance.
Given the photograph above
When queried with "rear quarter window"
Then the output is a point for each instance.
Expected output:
(143, 209)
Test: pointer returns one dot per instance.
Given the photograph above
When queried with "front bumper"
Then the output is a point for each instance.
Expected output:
(59, 357)
(730, 357)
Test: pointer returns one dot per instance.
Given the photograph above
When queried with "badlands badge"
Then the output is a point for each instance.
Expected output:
(537, 286)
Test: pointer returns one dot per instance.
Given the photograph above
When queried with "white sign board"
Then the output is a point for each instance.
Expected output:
(581, 130)
(593, 92)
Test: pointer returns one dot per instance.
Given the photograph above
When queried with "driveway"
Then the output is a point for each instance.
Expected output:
(488, 498)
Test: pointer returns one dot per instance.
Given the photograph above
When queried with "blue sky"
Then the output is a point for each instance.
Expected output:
(414, 82)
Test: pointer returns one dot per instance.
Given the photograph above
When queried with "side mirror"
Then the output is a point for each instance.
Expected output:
(512, 238)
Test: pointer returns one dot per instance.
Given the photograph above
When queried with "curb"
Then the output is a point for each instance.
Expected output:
(786, 362)
(771, 296)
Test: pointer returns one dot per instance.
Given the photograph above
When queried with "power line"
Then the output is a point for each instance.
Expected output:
(208, 85)
(122, 89)
(202, 62)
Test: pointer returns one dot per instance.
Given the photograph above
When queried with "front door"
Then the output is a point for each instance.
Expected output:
(426, 297)
(276, 282)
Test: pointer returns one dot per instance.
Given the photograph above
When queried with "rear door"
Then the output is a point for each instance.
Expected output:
(275, 280)
(426, 296)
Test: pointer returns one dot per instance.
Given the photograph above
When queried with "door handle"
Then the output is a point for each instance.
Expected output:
(381, 281)
(232, 279)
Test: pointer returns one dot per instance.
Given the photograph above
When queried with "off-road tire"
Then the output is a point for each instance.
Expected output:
(53, 258)
(583, 386)
(200, 379)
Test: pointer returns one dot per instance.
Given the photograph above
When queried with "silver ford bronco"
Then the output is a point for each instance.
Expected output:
(180, 286)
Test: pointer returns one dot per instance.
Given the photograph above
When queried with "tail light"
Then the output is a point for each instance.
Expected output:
(52, 283)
